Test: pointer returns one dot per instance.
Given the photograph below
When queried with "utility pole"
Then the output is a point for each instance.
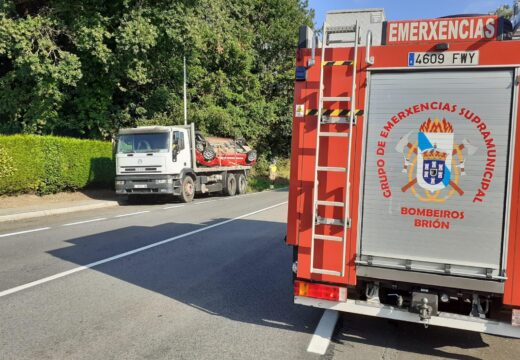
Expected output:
(185, 96)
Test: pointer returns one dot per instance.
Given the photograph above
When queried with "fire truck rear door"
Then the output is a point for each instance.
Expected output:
(437, 149)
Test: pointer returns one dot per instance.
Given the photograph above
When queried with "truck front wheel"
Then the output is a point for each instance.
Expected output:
(231, 185)
(187, 190)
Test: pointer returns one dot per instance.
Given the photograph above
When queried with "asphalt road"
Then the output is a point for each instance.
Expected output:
(210, 280)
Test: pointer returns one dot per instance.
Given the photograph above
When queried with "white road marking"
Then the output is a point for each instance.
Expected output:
(172, 207)
(24, 232)
(131, 252)
(274, 322)
(321, 339)
(84, 222)
(131, 214)
(203, 202)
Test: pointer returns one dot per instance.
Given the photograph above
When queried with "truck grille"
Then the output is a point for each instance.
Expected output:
(140, 169)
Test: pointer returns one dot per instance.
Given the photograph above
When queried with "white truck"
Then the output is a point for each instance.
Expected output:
(162, 160)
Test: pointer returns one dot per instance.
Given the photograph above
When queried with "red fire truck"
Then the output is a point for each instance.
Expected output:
(405, 171)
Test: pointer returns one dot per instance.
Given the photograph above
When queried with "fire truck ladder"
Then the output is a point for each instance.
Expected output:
(322, 119)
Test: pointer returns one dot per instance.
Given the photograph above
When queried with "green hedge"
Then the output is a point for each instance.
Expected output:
(48, 164)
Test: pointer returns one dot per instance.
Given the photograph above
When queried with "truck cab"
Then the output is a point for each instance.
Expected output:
(151, 160)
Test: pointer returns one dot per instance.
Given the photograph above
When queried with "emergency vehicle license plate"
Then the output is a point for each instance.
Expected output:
(445, 58)
(140, 186)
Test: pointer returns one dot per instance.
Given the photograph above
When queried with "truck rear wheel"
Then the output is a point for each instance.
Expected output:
(241, 184)
(187, 190)
(231, 185)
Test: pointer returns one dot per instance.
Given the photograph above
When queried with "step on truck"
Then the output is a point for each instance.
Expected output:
(405, 170)
(162, 160)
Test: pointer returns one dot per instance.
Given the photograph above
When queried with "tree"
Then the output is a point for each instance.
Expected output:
(88, 67)
(505, 11)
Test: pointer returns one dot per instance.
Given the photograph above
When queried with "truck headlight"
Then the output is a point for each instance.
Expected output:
(120, 182)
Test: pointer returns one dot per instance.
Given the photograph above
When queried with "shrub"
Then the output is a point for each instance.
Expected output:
(6, 164)
(259, 176)
(48, 164)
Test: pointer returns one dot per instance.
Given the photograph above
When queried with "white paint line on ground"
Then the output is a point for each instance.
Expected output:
(84, 222)
(274, 322)
(321, 339)
(203, 202)
(172, 207)
(24, 232)
(131, 214)
(131, 252)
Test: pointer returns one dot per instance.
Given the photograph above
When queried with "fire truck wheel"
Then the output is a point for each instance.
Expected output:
(251, 156)
(187, 190)
(231, 185)
(241, 184)
(208, 153)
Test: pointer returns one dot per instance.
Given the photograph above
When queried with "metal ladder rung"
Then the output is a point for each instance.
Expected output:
(336, 98)
(334, 134)
(334, 120)
(325, 272)
(328, 221)
(337, 222)
(330, 203)
(332, 168)
(328, 237)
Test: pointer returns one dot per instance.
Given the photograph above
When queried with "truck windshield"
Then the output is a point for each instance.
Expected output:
(143, 143)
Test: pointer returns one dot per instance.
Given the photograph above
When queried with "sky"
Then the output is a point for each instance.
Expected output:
(408, 9)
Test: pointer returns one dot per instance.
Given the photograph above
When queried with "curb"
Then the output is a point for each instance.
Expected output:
(58, 211)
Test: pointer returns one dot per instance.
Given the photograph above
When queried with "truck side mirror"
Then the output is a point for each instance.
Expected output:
(175, 151)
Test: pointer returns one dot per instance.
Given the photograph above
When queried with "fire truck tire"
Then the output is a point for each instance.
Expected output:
(251, 156)
(187, 190)
(231, 185)
(241, 184)
(208, 153)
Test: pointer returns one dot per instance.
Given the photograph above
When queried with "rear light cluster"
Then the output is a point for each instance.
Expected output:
(320, 291)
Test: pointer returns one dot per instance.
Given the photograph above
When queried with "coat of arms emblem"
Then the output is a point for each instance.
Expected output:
(434, 162)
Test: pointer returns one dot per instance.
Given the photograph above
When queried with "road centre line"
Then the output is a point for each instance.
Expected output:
(172, 207)
(84, 222)
(131, 252)
(134, 213)
(203, 202)
(321, 339)
(24, 232)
